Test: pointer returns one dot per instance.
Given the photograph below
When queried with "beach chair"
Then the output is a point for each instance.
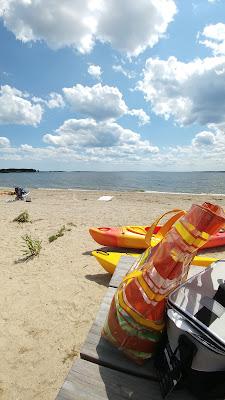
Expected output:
(22, 194)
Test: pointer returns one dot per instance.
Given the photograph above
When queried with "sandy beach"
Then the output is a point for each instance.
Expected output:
(48, 303)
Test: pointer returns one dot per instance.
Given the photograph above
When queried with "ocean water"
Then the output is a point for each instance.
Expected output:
(178, 182)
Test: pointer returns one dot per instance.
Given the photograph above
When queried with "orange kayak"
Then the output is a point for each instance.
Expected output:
(134, 237)
(124, 236)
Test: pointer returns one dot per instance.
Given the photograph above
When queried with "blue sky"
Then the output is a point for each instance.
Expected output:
(112, 84)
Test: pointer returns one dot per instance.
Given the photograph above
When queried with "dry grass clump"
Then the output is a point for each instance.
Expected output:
(60, 233)
(32, 247)
(71, 224)
(22, 218)
(70, 355)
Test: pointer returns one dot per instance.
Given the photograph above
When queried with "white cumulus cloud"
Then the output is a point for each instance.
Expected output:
(188, 92)
(4, 142)
(206, 151)
(15, 108)
(101, 102)
(98, 101)
(99, 139)
(131, 27)
(95, 71)
(128, 26)
(213, 37)
(204, 138)
(54, 100)
(141, 115)
(107, 142)
(59, 24)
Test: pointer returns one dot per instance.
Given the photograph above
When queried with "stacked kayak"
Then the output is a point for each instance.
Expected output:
(141, 237)
(109, 260)
(133, 237)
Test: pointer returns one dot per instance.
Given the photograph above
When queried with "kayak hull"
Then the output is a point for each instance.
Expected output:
(122, 237)
(134, 237)
(216, 240)
(109, 260)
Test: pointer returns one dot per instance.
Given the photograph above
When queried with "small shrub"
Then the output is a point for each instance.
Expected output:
(32, 247)
(22, 218)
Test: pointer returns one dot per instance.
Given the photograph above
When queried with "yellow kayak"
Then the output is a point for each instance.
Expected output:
(109, 260)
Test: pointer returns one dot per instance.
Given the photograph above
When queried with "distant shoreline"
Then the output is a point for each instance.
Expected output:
(114, 191)
(12, 170)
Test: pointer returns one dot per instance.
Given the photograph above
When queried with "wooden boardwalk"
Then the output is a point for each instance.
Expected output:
(103, 372)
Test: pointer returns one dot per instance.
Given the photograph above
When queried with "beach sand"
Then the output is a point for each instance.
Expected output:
(49, 303)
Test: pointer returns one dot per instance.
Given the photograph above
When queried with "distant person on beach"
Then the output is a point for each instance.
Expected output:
(20, 193)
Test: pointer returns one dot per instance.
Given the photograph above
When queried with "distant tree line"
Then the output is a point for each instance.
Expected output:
(8, 170)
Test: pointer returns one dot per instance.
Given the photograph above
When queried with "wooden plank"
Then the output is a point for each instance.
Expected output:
(87, 381)
(98, 350)
(121, 270)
